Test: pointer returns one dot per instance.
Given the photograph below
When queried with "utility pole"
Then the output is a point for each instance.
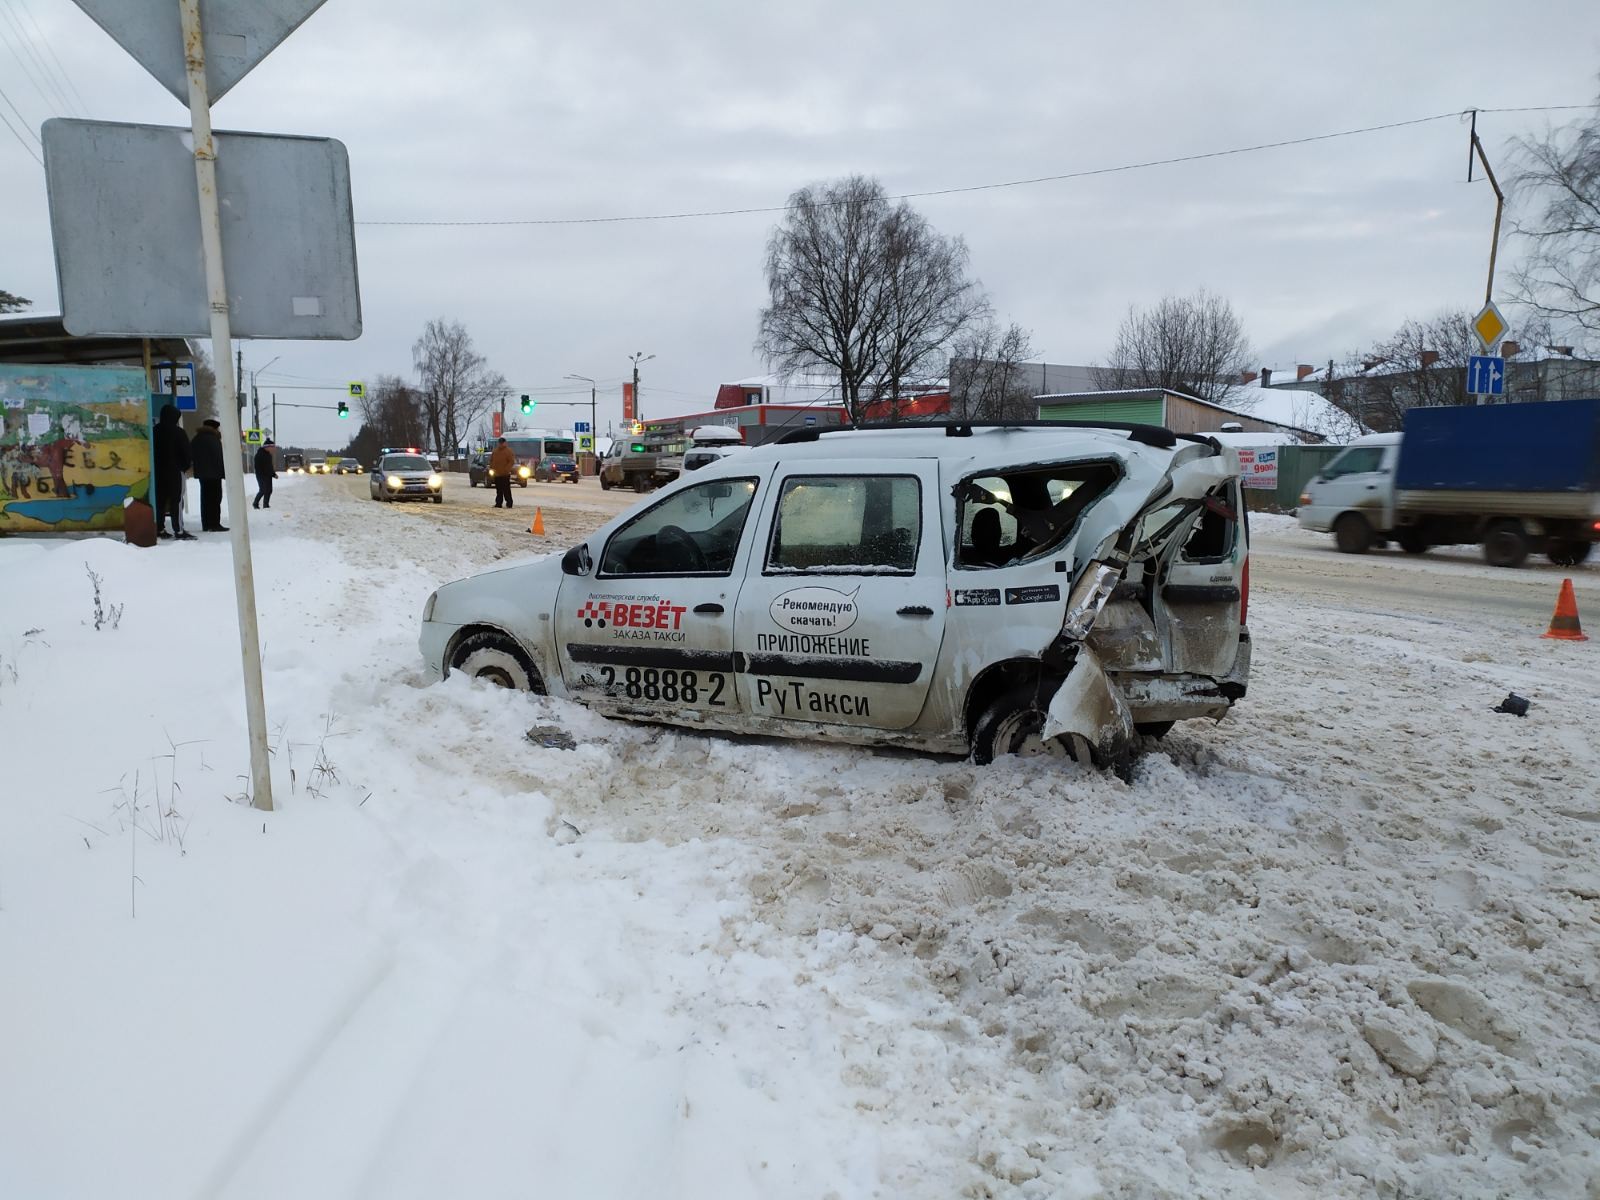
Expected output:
(638, 357)
(1499, 202)
(594, 429)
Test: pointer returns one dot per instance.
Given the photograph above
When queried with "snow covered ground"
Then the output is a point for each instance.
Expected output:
(1346, 943)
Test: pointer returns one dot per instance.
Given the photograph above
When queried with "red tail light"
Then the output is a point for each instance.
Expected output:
(1244, 592)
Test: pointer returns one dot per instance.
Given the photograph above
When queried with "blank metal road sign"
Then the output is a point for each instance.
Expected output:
(125, 219)
(237, 34)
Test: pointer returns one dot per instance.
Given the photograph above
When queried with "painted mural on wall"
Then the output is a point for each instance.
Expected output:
(74, 443)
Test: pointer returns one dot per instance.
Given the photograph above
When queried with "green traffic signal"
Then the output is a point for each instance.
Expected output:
(527, 404)
(344, 409)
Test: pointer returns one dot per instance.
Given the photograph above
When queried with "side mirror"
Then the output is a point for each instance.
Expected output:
(577, 561)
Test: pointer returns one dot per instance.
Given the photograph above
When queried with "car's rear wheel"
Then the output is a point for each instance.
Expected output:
(1506, 545)
(1014, 725)
(1411, 540)
(498, 660)
(1352, 534)
(1568, 552)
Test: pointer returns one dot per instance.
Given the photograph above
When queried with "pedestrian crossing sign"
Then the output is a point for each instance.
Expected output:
(253, 437)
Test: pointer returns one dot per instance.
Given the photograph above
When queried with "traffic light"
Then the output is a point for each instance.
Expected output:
(344, 409)
(527, 404)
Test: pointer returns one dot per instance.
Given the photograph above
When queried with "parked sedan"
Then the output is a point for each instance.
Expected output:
(555, 469)
(479, 474)
(406, 477)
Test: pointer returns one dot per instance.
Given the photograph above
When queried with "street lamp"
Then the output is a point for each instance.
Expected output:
(594, 431)
(255, 400)
(636, 358)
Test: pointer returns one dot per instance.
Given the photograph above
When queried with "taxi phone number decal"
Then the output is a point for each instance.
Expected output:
(667, 685)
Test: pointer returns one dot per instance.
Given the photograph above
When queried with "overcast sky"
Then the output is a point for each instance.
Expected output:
(503, 109)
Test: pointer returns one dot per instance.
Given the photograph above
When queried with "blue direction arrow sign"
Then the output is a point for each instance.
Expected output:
(1486, 375)
(580, 427)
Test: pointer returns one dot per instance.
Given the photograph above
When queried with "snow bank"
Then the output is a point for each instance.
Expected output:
(1343, 944)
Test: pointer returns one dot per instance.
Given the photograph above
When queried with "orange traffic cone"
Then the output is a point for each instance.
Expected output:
(1564, 625)
(537, 528)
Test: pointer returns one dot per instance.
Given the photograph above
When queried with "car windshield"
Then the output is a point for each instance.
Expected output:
(406, 462)
(348, 462)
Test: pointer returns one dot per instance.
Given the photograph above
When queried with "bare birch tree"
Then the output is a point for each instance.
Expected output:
(866, 290)
(1194, 344)
(456, 387)
(986, 377)
(1559, 176)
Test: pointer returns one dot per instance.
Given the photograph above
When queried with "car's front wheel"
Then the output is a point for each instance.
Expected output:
(1352, 534)
(1014, 724)
(497, 659)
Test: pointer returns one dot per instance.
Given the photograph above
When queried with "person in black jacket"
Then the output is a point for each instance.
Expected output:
(266, 472)
(171, 460)
(205, 452)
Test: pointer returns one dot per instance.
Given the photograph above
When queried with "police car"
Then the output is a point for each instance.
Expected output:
(406, 475)
(969, 589)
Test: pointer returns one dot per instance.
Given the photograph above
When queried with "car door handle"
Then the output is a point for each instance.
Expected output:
(708, 610)
(914, 610)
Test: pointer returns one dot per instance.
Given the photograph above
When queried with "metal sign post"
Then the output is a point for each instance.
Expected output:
(205, 173)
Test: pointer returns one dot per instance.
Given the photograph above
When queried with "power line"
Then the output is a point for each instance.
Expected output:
(26, 43)
(83, 107)
(1010, 183)
(21, 118)
(20, 140)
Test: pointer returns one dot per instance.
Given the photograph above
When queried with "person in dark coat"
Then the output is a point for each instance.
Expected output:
(266, 472)
(171, 460)
(501, 464)
(205, 452)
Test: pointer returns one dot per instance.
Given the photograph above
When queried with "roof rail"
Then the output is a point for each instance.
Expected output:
(1158, 436)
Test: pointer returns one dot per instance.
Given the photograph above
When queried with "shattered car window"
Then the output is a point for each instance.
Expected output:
(1022, 515)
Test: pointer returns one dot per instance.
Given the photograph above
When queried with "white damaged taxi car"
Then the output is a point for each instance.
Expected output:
(1041, 588)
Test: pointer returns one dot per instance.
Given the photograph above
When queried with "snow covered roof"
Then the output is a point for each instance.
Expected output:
(1274, 437)
(1097, 393)
(1293, 408)
(1298, 408)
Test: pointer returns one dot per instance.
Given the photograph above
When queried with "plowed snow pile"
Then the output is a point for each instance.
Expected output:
(1346, 943)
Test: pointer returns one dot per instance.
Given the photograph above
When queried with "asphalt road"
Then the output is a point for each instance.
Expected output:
(1448, 583)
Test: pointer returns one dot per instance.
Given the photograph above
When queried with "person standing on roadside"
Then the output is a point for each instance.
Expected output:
(170, 460)
(266, 472)
(501, 464)
(205, 452)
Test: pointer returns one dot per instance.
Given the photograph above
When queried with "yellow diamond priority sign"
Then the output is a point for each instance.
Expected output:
(1490, 326)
